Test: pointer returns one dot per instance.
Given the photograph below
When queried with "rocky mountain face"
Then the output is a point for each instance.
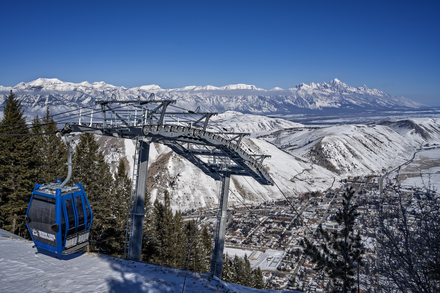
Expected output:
(64, 96)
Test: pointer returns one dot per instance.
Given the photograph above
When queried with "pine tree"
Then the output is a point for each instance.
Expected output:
(90, 169)
(38, 141)
(195, 258)
(120, 207)
(18, 168)
(52, 154)
(238, 269)
(179, 245)
(206, 250)
(227, 272)
(247, 273)
(166, 241)
(149, 235)
(161, 231)
(171, 242)
(341, 253)
(257, 279)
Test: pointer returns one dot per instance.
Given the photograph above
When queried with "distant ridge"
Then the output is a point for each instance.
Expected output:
(61, 96)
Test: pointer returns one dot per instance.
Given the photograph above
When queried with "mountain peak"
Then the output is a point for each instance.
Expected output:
(44, 81)
(150, 88)
(239, 86)
(207, 88)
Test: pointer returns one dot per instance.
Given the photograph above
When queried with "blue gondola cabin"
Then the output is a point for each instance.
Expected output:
(59, 219)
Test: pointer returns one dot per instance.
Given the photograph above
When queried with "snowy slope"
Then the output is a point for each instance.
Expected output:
(190, 188)
(23, 269)
(302, 159)
(232, 121)
(422, 129)
(62, 96)
(359, 149)
(423, 171)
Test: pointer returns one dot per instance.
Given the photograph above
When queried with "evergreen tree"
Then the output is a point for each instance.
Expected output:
(165, 245)
(196, 257)
(238, 267)
(341, 253)
(162, 222)
(247, 273)
(52, 154)
(179, 243)
(90, 169)
(120, 206)
(37, 140)
(258, 280)
(206, 250)
(18, 168)
(149, 236)
(167, 240)
(239, 271)
(227, 272)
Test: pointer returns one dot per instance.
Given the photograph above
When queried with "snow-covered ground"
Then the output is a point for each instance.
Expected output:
(326, 119)
(423, 171)
(232, 121)
(359, 149)
(23, 269)
(267, 260)
(303, 159)
(190, 188)
(237, 251)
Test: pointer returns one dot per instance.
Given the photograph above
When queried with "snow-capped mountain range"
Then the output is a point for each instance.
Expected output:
(302, 158)
(62, 96)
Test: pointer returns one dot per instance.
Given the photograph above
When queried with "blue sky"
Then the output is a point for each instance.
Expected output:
(393, 46)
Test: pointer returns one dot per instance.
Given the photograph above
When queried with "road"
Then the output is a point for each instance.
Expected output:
(396, 169)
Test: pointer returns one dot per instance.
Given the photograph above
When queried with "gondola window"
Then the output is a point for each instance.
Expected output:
(42, 215)
(70, 216)
(80, 210)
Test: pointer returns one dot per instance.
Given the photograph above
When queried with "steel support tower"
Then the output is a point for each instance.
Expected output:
(138, 210)
(220, 231)
(216, 152)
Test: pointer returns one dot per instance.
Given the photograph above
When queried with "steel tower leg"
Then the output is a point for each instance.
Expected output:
(222, 216)
(138, 211)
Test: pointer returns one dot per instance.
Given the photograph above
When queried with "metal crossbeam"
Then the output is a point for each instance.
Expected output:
(185, 141)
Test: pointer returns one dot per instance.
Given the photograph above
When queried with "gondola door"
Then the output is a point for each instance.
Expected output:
(80, 212)
(76, 221)
(70, 223)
